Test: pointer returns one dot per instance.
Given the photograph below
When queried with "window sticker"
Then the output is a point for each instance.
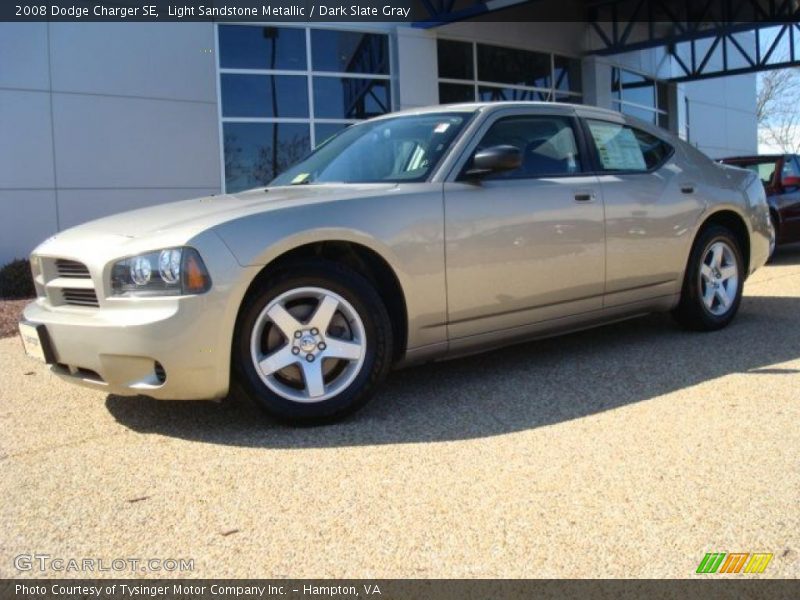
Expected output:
(441, 128)
(617, 146)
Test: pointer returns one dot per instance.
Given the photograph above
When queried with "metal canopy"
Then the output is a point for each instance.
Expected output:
(704, 38)
(442, 12)
(732, 54)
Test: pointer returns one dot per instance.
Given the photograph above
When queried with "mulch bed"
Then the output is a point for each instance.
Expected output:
(10, 312)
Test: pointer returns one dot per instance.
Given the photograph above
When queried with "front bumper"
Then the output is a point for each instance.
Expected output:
(167, 348)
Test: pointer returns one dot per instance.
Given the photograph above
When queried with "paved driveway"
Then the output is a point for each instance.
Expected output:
(630, 450)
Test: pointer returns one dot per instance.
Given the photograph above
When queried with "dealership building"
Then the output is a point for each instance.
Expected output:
(98, 118)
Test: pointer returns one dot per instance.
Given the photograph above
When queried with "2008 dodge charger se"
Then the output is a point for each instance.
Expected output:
(417, 235)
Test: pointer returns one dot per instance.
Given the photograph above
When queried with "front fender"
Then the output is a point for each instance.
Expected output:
(405, 229)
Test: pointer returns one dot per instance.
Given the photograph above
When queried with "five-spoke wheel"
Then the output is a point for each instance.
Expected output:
(719, 278)
(308, 344)
(712, 287)
(312, 341)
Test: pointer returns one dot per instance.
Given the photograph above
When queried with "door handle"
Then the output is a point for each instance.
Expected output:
(687, 188)
(584, 196)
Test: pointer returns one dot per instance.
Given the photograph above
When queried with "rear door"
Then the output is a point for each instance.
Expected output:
(650, 206)
(524, 246)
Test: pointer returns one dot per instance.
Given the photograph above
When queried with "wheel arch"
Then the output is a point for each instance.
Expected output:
(363, 259)
(736, 224)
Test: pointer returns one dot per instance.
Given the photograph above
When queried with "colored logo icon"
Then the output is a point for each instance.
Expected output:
(736, 562)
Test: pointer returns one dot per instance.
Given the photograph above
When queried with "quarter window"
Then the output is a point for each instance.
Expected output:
(547, 145)
(623, 148)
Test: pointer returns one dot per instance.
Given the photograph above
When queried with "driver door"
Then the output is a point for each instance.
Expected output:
(524, 246)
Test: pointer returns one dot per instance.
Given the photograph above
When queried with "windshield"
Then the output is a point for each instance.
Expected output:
(394, 150)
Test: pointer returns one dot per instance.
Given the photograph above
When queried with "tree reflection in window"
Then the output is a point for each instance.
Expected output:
(257, 152)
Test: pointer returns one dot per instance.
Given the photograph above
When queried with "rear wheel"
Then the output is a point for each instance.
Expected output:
(712, 287)
(312, 343)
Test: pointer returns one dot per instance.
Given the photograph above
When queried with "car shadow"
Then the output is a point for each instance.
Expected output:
(517, 388)
(786, 255)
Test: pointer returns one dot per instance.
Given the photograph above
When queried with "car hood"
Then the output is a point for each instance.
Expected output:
(175, 223)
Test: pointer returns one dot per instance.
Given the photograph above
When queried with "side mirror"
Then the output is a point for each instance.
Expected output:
(791, 181)
(494, 159)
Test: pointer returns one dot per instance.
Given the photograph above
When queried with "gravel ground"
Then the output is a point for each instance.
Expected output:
(627, 451)
(10, 312)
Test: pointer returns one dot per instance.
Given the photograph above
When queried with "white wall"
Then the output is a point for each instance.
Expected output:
(722, 115)
(96, 118)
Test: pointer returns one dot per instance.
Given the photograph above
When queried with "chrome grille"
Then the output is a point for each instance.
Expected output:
(72, 269)
(79, 296)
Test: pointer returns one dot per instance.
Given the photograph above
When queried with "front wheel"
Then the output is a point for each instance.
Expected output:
(312, 343)
(712, 287)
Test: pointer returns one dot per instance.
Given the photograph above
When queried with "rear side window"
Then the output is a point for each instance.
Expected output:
(624, 148)
(547, 144)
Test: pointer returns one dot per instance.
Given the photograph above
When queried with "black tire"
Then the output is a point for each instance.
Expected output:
(691, 311)
(362, 297)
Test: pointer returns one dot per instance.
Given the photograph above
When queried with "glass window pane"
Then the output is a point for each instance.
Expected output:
(455, 60)
(349, 52)
(453, 92)
(569, 98)
(638, 89)
(509, 65)
(264, 95)
(567, 74)
(617, 146)
(653, 149)
(640, 113)
(493, 94)
(250, 47)
(547, 144)
(395, 149)
(256, 152)
(324, 131)
(350, 98)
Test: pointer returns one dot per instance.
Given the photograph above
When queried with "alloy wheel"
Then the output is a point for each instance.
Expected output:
(719, 278)
(308, 344)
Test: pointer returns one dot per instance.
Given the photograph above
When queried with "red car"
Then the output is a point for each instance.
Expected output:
(780, 174)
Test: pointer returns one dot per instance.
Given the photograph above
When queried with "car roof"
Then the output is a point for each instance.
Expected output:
(492, 106)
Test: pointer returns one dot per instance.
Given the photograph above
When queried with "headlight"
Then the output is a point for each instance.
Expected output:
(36, 273)
(168, 272)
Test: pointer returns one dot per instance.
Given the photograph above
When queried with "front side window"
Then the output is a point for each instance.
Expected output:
(396, 150)
(623, 148)
(547, 144)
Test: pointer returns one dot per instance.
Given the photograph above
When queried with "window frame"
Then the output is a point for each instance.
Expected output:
(457, 172)
(620, 103)
(554, 94)
(308, 72)
(597, 165)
